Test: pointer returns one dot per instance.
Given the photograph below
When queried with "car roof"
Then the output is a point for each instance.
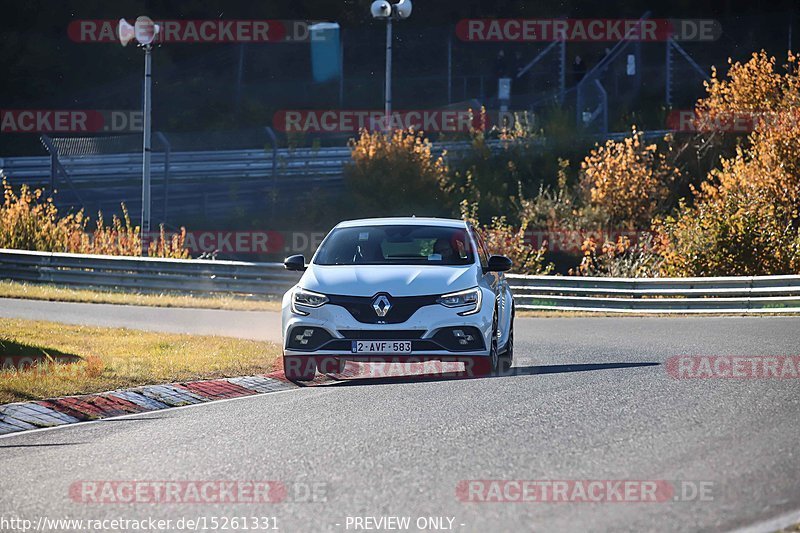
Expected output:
(404, 221)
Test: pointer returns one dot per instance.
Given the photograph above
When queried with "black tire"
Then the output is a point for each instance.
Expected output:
(299, 368)
(487, 366)
(494, 356)
(507, 358)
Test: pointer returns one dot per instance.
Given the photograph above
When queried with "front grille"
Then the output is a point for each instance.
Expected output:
(402, 307)
(381, 335)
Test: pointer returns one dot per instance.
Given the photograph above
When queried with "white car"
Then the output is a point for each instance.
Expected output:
(399, 290)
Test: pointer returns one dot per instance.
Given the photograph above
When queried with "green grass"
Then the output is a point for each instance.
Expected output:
(79, 359)
(55, 293)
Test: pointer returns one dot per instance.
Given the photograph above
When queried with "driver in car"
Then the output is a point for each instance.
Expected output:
(442, 247)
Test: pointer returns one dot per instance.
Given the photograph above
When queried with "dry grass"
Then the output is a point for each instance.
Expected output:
(555, 313)
(53, 293)
(528, 313)
(112, 358)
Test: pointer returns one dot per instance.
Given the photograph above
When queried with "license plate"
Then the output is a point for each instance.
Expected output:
(381, 347)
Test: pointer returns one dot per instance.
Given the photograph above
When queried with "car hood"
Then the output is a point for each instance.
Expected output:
(368, 280)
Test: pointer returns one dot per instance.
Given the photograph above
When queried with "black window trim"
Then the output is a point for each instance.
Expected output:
(480, 247)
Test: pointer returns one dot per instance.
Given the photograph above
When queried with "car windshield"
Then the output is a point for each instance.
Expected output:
(396, 245)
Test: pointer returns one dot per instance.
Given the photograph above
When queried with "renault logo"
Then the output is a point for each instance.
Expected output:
(381, 305)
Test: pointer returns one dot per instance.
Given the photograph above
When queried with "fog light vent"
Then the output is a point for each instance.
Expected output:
(303, 338)
(463, 338)
(459, 339)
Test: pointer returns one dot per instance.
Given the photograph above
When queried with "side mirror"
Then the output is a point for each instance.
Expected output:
(499, 263)
(295, 262)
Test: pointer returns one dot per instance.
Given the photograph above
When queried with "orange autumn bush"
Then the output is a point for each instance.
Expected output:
(628, 182)
(744, 220)
(395, 174)
(30, 221)
(753, 86)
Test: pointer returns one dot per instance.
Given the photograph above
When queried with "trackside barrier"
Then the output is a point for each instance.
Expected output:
(735, 295)
(747, 294)
(198, 166)
(147, 274)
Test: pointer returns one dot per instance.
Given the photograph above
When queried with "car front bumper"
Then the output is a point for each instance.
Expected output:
(425, 329)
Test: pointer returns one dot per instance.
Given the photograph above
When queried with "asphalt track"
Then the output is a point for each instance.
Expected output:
(590, 399)
(255, 325)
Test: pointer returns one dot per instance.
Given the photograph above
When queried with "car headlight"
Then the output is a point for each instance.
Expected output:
(304, 298)
(470, 297)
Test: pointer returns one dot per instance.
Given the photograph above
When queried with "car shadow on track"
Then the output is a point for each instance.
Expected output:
(137, 419)
(41, 445)
(514, 371)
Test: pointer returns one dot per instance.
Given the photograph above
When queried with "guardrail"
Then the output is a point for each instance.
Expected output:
(753, 294)
(147, 274)
(213, 165)
(736, 295)
(184, 167)
(210, 183)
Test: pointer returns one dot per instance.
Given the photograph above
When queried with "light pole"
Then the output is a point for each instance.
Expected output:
(383, 10)
(145, 32)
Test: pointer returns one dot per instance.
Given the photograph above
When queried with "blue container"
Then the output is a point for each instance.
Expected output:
(326, 62)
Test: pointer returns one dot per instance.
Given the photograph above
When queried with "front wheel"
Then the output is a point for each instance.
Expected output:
(508, 353)
(299, 368)
(487, 366)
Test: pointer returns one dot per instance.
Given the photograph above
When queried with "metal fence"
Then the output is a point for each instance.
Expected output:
(736, 295)
(211, 183)
(751, 294)
(146, 274)
(110, 169)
